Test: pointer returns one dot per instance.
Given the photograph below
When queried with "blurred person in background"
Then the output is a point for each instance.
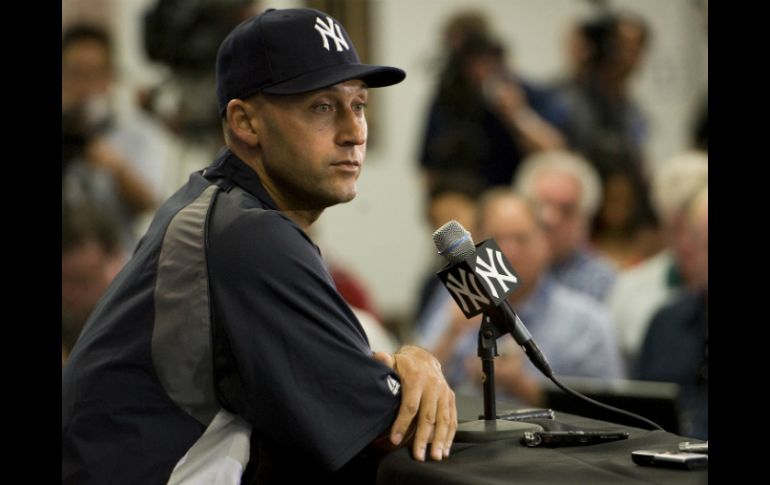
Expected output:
(91, 256)
(675, 348)
(114, 162)
(461, 26)
(572, 329)
(482, 119)
(602, 120)
(641, 290)
(619, 230)
(700, 126)
(183, 37)
(604, 123)
(451, 198)
(567, 192)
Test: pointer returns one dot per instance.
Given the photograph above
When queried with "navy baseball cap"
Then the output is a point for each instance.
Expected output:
(291, 51)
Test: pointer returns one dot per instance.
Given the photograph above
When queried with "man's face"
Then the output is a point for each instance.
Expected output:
(617, 209)
(86, 271)
(630, 47)
(512, 225)
(690, 245)
(85, 72)
(452, 206)
(557, 196)
(312, 145)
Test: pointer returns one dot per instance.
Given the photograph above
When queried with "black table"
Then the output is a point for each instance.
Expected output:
(509, 462)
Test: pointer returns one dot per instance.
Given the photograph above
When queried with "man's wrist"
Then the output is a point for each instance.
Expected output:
(414, 351)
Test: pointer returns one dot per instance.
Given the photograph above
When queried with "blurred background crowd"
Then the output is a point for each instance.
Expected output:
(573, 132)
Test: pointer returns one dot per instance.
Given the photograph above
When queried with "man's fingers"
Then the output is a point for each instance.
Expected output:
(426, 422)
(410, 404)
(453, 424)
(442, 428)
(427, 404)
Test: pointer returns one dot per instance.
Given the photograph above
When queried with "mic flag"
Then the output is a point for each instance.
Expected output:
(481, 280)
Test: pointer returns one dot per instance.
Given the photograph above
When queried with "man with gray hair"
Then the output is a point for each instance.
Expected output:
(640, 291)
(675, 348)
(567, 191)
(573, 329)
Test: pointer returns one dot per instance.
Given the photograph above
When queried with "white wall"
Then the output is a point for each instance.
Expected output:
(381, 234)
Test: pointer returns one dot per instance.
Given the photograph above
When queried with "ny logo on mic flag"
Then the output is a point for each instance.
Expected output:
(480, 281)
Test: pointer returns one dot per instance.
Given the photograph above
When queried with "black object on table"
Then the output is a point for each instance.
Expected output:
(509, 462)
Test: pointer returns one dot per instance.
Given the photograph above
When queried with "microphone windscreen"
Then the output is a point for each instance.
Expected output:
(453, 242)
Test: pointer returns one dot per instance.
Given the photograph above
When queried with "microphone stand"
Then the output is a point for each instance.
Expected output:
(490, 428)
(487, 351)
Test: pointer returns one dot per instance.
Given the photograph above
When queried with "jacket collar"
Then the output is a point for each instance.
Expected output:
(228, 166)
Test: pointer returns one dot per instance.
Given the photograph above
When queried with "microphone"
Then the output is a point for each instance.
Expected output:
(480, 285)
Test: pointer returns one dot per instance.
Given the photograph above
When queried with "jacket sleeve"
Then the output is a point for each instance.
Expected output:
(289, 354)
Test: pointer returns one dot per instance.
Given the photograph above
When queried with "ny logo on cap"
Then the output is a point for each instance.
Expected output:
(328, 30)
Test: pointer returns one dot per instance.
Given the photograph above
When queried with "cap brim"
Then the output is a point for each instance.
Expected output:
(373, 76)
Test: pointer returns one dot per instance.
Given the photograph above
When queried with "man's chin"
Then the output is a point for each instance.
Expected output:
(340, 197)
(348, 194)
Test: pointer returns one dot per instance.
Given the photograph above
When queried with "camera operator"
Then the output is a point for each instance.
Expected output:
(115, 167)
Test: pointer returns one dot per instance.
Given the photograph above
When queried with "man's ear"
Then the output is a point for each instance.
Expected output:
(240, 123)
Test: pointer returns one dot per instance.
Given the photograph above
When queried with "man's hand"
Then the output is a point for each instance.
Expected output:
(426, 400)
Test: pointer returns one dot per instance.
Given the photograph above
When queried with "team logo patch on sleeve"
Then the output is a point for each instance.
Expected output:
(393, 385)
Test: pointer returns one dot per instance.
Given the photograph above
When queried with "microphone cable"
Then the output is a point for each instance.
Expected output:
(576, 394)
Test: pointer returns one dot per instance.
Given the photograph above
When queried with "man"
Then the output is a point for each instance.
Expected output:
(603, 122)
(571, 328)
(675, 348)
(91, 256)
(451, 198)
(222, 353)
(567, 192)
(115, 162)
(482, 119)
(644, 289)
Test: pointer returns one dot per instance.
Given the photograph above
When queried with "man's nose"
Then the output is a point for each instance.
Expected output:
(352, 128)
(550, 215)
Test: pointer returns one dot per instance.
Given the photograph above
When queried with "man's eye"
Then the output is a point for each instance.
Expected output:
(323, 107)
(360, 107)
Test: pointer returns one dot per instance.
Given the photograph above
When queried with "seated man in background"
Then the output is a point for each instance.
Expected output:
(111, 158)
(453, 197)
(573, 330)
(640, 291)
(676, 345)
(482, 119)
(566, 191)
(91, 256)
